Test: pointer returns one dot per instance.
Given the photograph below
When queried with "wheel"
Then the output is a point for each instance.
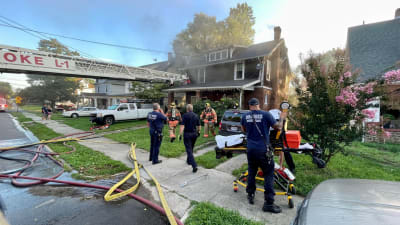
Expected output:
(291, 203)
(292, 189)
(74, 115)
(109, 120)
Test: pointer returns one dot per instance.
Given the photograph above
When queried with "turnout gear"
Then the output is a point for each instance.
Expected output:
(174, 117)
(209, 117)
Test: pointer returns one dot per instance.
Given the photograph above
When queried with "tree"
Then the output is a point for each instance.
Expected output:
(151, 91)
(52, 88)
(205, 33)
(5, 89)
(333, 105)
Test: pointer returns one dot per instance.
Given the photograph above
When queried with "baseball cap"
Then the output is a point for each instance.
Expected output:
(254, 101)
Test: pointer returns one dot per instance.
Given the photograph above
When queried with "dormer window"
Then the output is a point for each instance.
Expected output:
(218, 55)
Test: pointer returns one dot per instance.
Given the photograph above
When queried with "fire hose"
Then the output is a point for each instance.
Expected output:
(108, 197)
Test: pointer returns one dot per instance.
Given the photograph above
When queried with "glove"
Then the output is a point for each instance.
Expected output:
(180, 137)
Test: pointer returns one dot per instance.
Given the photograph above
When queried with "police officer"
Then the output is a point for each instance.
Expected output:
(155, 121)
(190, 125)
(256, 125)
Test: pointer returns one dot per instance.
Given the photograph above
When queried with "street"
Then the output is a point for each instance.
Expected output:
(60, 204)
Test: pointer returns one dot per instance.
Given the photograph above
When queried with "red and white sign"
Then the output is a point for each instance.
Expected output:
(18, 58)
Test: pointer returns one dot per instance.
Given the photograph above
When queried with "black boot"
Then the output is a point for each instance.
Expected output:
(271, 207)
(172, 139)
(250, 197)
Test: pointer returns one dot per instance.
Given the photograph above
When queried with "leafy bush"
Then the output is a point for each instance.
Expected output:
(219, 106)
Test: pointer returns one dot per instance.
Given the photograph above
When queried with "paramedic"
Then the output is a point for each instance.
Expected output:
(190, 125)
(256, 125)
(155, 121)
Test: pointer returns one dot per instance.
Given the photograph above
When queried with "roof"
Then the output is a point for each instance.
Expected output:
(240, 53)
(351, 202)
(167, 66)
(374, 48)
(247, 84)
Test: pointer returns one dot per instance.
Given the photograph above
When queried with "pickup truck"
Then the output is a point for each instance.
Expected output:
(121, 112)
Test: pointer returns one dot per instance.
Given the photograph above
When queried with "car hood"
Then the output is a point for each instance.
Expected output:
(351, 202)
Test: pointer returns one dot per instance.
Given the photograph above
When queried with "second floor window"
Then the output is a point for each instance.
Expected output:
(219, 55)
(201, 75)
(239, 71)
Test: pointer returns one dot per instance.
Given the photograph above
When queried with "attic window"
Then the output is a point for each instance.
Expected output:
(219, 55)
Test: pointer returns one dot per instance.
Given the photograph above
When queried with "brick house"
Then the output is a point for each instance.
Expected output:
(259, 70)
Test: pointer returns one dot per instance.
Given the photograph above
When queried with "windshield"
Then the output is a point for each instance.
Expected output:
(113, 107)
(232, 116)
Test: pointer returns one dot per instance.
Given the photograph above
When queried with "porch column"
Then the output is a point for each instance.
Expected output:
(171, 96)
(241, 99)
(198, 94)
(95, 102)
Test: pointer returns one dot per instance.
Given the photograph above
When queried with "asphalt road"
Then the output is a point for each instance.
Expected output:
(55, 204)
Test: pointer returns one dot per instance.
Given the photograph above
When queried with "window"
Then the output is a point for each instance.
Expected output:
(239, 71)
(212, 57)
(201, 75)
(232, 116)
(219, 55)
(132, 106)
(268, 73)
(123, 107)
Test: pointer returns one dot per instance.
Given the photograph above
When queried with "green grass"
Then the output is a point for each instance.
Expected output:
(21, 118)
(32, 108)
(83, 123)
(392, 147)
(142, 139)
(206, 213)
(84, 160)
(209, 161)
(361, 161)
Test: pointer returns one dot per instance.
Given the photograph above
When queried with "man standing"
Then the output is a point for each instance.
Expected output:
(174, 117)
(45, 112)
(155, 121)
(190, 125)
(209, 117)
(256, 124)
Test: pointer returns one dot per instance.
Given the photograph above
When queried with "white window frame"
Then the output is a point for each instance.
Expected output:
(212, 56)
(268, 71)
(199, 74)
(223, 54)
(235, 71)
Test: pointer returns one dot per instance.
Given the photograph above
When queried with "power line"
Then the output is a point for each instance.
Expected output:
(93, 42)
(26, 30)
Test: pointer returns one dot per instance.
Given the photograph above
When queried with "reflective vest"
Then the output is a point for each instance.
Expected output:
(209, 115)
(173, 114)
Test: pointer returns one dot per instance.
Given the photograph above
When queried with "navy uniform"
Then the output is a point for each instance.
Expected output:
(257, 153)
(156, 121)
(190, 121)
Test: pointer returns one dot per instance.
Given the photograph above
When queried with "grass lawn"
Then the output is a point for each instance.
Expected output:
(84, 160)
(83, 123)
(206, 213)
(142, 139)
(32, 108)
(209, 161)
(21, 118)
(361, 161)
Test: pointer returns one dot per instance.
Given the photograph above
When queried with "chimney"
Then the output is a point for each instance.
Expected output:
(277, 33)
(170, 57)
(397, 14)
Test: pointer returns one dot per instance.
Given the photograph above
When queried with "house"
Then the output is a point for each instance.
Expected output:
(107, 92)
(241, 72)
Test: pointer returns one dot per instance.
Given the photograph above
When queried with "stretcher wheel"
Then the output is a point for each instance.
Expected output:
(292, 189)
(291, 203)
(235, 189)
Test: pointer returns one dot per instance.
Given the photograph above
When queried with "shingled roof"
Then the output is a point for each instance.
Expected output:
(374, 48)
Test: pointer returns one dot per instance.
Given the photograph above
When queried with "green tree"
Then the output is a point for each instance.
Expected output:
(151, 91)
(5, 89)
(52, 88)
(206, 33)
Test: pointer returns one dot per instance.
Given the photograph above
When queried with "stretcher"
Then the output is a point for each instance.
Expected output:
(280, 141)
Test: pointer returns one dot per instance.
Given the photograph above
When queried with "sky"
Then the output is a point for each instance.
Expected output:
(307, 25)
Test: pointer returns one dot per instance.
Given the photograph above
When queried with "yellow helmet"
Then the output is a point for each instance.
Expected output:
(207, 104)
(173, 104)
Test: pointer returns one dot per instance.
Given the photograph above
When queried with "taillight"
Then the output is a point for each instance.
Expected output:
(5, 105)
(220, 125)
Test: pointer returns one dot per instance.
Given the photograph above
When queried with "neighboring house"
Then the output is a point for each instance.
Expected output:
(374, 49)
(107, 92)
(259, 70)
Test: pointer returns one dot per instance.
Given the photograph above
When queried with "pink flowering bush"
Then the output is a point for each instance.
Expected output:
(392, 76)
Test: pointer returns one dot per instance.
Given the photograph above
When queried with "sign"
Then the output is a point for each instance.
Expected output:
(18, 100)
(374, 106)
(25, 59)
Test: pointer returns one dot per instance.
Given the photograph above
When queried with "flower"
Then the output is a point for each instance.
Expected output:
(387, 134)
(371, 132)
(368, 113)
(392, 76)
(348, 96)
(347, 74)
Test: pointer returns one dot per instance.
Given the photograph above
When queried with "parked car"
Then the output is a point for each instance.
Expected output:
(351, 202)
(121, 112)
(3, 104)
(230, 122)
(84, 111)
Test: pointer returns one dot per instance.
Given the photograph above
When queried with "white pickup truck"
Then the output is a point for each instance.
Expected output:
(121, 112)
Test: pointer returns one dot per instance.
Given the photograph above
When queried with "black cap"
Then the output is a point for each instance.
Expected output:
(254, 101)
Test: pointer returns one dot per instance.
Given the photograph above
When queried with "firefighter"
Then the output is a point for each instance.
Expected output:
(209, 117)
(174, 117)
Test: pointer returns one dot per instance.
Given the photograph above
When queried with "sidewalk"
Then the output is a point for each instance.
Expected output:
(182, 186)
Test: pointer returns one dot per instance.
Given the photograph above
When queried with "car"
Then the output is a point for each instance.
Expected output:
(84, 111)
(230, 122)
(351, 201)
(121, 112)
(3, 104)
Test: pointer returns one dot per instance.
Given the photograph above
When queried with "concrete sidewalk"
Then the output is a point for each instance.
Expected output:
(182, 186)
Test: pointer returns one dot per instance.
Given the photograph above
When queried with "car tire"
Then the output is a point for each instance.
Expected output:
(109, 120)
(74, 115)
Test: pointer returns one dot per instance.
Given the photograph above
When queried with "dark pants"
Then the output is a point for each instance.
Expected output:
(289, 161)
(189, 139)
(155, 143)
(257, 159)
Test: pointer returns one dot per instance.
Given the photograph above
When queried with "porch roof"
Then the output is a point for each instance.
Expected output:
(246, 84)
